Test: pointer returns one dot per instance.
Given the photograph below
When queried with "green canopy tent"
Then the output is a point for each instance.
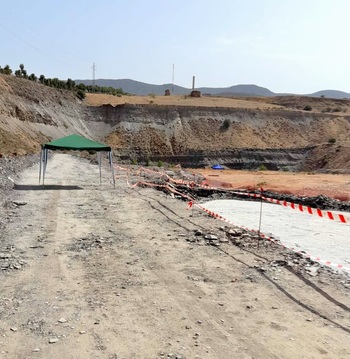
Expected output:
(74, 143)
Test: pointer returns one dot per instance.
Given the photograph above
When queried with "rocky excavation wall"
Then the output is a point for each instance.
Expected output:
(237, 138)
(31, 114)
(249, 159)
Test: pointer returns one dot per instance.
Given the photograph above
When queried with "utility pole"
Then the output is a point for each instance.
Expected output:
(172, 83)
(93, 73)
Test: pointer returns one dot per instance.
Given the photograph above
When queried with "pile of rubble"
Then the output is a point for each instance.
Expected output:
(11, 166)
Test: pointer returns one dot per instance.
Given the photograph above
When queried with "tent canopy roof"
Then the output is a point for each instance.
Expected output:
(77, 143)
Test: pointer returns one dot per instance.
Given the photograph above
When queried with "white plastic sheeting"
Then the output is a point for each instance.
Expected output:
(319, 237)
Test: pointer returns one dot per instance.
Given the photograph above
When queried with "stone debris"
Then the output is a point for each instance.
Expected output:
(9, 260)
(164, 355)
(19, 203)
(91, 242)
(247, 240)
(313, 271)
(9, 169)
(53, 340)
(11, 166)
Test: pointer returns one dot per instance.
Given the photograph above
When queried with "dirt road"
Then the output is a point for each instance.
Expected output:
(96, 272)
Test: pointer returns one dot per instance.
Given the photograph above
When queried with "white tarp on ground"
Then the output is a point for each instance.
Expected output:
(319, 237)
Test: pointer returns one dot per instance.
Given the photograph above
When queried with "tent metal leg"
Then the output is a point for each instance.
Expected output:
(112, 167)
(99, 165)
(40, 163)
(45, 164)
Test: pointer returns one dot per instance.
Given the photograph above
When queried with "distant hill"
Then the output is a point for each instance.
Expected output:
(238, 90)
(331, 94)
(137, 87)
(144, 89)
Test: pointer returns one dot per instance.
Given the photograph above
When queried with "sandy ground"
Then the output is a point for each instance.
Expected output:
(297, 183)
(293, 103)
(110, 273)
(253, 103)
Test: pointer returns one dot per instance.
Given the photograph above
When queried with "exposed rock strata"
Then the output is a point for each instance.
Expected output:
(240, 137)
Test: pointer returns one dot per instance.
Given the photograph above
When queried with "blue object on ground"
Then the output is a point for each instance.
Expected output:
(217, 167)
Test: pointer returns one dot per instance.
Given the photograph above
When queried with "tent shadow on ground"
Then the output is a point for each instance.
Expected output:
(28, 187)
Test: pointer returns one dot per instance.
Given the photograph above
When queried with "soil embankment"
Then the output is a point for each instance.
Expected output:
(241, 138)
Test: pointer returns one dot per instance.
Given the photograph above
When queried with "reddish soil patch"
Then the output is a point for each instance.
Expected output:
(301, 184)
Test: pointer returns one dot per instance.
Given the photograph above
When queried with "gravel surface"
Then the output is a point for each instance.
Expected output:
(90, 271)
(11, 167)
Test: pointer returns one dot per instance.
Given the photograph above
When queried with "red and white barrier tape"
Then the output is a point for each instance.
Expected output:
(320, 213)
(160, 174)
(306, 209)
(313, 211)
(149, 184)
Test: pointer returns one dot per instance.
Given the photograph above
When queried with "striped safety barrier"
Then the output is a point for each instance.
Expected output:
(262, 235)
(313, 211)
(339, 217)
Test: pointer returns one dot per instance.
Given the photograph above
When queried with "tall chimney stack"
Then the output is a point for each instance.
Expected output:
(193, 82)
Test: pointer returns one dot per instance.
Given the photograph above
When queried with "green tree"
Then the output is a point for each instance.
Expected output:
(262, 167)
(32, 77)
(226, 124)
(7, 70)
(70, 84)
(81, 87)
(24, 73)
(42, 79)
(18, 73)
(81, 94)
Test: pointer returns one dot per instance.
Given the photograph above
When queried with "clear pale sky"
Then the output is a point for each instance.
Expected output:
(297, 46)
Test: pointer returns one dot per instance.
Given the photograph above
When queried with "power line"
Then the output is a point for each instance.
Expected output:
(172, 85)
(93, 73)
(28, 30)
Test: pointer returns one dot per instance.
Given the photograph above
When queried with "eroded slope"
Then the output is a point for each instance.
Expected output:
(241, 133)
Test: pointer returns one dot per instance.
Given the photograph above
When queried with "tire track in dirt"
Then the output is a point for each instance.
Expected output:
(160, 283)
(116, 265)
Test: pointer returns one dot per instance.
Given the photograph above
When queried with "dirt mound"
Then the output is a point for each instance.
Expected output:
(334, 157)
